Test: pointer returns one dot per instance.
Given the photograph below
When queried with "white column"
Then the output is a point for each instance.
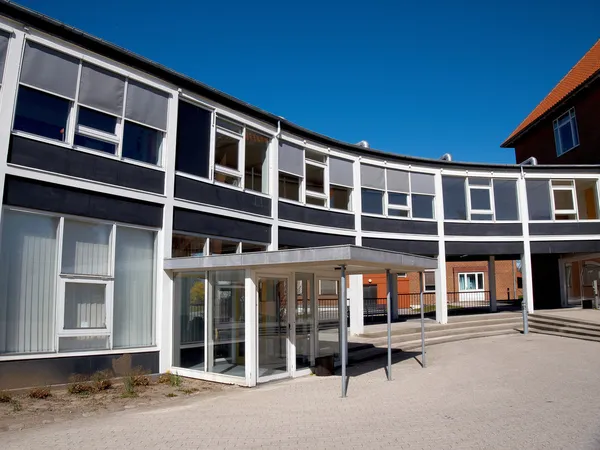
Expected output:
(357, 322)
(526, 256)
(274, 191)
(8, 99)
(492, 279)
(250, 328)
(164, 285)
(441, 289)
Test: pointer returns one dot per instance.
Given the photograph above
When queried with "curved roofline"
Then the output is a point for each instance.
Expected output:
(54, 27)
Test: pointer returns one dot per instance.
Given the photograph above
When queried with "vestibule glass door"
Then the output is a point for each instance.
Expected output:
(305, 337)
(273, 329)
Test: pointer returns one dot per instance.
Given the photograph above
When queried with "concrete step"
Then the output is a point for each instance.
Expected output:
(546, 322)
(412, 345)
(562, 319)
(368, 354)
(471, 328)
(564, 330)
(565, 335)
(406, 330)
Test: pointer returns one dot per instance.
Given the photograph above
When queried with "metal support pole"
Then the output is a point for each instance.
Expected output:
(388, 278)
(343, 327)
(423, 358)
(525, 317)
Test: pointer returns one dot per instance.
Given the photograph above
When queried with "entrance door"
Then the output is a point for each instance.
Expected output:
(305, 338)
(273, 329)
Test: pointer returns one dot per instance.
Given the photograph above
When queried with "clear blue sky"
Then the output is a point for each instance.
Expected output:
(418, 78)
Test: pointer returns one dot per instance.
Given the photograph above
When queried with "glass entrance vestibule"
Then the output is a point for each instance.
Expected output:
(251, 318)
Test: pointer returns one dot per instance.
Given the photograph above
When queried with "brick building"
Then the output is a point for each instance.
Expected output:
(563, 128)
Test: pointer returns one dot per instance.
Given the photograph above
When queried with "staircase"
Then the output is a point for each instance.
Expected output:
(408, 337)
(565, 327)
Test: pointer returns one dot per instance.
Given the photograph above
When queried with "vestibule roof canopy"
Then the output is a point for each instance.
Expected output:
(358, 260)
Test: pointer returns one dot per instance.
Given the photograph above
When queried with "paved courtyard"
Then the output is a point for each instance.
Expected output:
(504, 392)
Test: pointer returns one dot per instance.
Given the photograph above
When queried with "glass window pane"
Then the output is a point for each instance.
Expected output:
(227, 339)
(41, 114)
(587, 199)
(538, 199)
(86, 248)
(372, 201)
(289, 187)
(97, 120)
(315, 156)
(339, 198)
(566, 137)
(248, 247)
(482, 217)
(85, 306)
(193, 140)
(191, 295)
(133, 304)
(480, 199)
(429, 278)
(505, 200)
(397, 212)
(471, 281)
(422, 206)
(222, 247)
(479, 281)
(81, 343)
(95, 144)
(141, 143)
(226, 151)
(231, 126)
(227, 179)
(563, 200)
(328, 287)
(455, 205)
(184, 246)
(257, 163)
(315, 177)
(27, 282)
(315, 201)
(479, 181)
(397, 199)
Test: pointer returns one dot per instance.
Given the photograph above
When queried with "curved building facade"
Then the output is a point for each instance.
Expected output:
(111, 164)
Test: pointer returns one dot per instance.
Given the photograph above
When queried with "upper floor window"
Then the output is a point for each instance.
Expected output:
(240, 154)
(562, 199)
(186, 245)
(63, 98)
(566, 135)
(479, 198)
(314, 177)
(397, 193)
(4, 40)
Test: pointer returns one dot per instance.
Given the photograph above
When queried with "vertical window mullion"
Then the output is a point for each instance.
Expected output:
(467, 189)
(242, 158)
(326, 189)
(72, 121)
(213, 143)
(59, 288)
(302, 196)
(110, 286)
(121, 131)
(492, 200)
(552, 204)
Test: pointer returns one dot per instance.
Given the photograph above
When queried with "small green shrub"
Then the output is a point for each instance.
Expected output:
(5, 397)
(139, 377)
(80, 384)
(129, 387)
(171, 394)
(102, 380)
(16, 404)
(40, 393)
(175, 380)
(188, 390)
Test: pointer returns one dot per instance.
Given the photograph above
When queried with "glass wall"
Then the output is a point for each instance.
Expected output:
(191, 292)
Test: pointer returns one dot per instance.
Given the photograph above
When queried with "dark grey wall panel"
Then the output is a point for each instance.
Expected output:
(45, 371)
(565, 246)
(314, 216)
(483, 229)
(213, 225)
(484, 248)
(557, 228)
(53, 158)
(301, 238)
(211, 194)
(398, 226)
(427, 248)
(66, 200)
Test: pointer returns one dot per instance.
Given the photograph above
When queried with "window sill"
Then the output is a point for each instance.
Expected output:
(411, 219)
(320, 208)
(26, 356)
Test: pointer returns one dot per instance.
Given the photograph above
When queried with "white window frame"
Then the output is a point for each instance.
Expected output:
(300, 186)
(476, 274)
(350, 198)
(321, 165)
(241, 139)
(490, 189)
(574, 132)
(391, 206)
(72, 127)
(336, 283)
(384, 203)
(425, 290)
(570, 188)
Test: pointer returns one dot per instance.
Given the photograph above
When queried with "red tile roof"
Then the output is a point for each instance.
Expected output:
(585, 69)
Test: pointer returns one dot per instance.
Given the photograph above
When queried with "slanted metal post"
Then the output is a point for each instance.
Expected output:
(423, 357)
(525, 317)
(388, 278)
(343, 327)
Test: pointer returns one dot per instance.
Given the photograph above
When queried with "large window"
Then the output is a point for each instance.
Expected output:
(314, 178)
(193, 139)
(562, 199)
(566, 135)
(480, 199)
(97, 293)
(471, 281)
(65, 99)
(403, 194)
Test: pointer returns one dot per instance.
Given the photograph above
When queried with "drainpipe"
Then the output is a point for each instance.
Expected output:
(531, 161)
(446, 157)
